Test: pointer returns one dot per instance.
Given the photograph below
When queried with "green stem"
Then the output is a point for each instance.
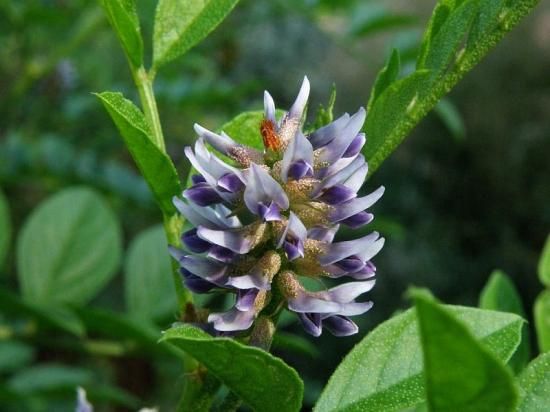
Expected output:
(144, 83)
(198, 392)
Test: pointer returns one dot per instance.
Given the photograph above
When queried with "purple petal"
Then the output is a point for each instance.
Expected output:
(311, 323)
(355, 206)
(358, 220)
(327, 133)
(221, 254)
(213, 218)
(365, 246)
(197, 179)
(354, 308)
(234, 240)
(355, 146)
(337, 194)
(194, 243)
(196, 284)
(208, 269)
(230, 182)
(350, 264)
(298, 156)
(269, 213)
(293, 251)
(254, 279)
(202, 194)
(299, 105)
(323, 234)
(222, 143)
(341, 176)
(246, 299)
(306, 302)
(340, 325)
(337, 147)
(300, 169)
(347, 292)
(82, 404)
(269, 107)
(262, 188)
(232, 320)
(294, 229)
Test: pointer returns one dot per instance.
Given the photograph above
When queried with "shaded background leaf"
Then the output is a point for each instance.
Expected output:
(500, 294)
(69, 248)
(149, 291)
(5, 228)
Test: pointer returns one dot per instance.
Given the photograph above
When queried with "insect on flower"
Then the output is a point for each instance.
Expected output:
(269, 219)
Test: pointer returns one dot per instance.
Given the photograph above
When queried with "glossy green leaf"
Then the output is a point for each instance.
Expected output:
(534, 385)
(14, 355)
(460, 374)
(46, 316)
(69, 248)
(123, 17)
(384, 371)
(385, 77)
(500, 294)
(47, 377)
(181, 24)
(544, 264)
(450, 27)
(155, 166)
(451, 118)
(541, 311)
(261, 380)
(149, 290)
(5, 228)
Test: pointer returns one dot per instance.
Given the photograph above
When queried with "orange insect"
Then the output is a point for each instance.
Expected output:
(271, 139)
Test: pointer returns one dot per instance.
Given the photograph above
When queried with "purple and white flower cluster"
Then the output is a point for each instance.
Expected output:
(266, 221)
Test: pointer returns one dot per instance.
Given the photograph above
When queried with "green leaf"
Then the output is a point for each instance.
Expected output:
(500, 294)
(541, 311)
(460, 373)
(5, 228)
(123, 17)
(385, 77)
(384, 371)
(445, 34)
(534, 385)
(245, 128)
(69, 248)
(137, 336)
(391, 112)
(181, 24)
(48, 377)
(261, 380)
(14, 355)
(451, 118)
(48, 316)
(442, 49)
(155, 166)
(149, 290)
(544, 264)
(324, 114)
